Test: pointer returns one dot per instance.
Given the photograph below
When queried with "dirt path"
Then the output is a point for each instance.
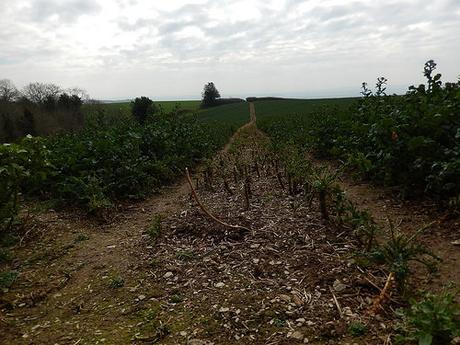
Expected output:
(66, 290)
(252, 121)
(252, 112)
(410, 217)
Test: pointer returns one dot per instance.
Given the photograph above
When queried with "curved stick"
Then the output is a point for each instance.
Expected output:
(195, 196)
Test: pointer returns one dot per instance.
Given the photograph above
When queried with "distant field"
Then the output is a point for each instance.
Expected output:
(224, 120)
(125, 107)
(169, 105)
(236, 113)
(299, 106)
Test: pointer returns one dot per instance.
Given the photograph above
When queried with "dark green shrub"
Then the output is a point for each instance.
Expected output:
(434, 320)
(141, 107)
(112, 158)
(23, 168)
(399, 250)
(411, 141)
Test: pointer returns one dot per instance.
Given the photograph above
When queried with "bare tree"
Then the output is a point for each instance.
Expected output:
(8, 92)
(34, 92)
(53, 91)
(76, 91)
(40, 92)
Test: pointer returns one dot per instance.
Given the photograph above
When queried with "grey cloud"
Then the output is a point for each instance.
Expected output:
(67, 11)
(125, 25)
(336, 12)
(347, 27)
(314, 39)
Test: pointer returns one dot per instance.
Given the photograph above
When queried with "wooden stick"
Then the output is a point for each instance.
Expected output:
(206, 212)
(383, 294)
(336, 303)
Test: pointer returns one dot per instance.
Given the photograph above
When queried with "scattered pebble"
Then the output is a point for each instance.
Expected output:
(285, 298)
(297, 335)
(339, 286)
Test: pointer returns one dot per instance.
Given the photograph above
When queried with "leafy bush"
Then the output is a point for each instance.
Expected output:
(224, 101)
(125, 160)
(399, 249)
(23, 168)
(5, 255)
(111, 159)
(141, 107)
(411, 141)
(117, 282)
(433, 320)
(361, 222)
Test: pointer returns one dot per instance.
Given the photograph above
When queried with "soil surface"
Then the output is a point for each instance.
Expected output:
(292, 279)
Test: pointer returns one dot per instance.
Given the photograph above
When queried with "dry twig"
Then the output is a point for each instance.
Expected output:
(206, 212)
(336, 303)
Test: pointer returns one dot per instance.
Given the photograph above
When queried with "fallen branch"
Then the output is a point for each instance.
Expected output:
(383, 294)
(206, 212)
(336, 303)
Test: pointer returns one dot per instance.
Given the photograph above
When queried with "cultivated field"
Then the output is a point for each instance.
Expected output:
(331, 221)
(125, 107)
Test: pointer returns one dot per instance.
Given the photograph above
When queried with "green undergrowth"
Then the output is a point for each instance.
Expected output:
(113, 158)
(432, 320)
(410, 141)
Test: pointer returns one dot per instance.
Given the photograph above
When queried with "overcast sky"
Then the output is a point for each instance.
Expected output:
(166, 49)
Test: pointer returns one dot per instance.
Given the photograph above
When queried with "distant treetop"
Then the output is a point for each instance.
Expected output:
(210, 95)
(141, 107)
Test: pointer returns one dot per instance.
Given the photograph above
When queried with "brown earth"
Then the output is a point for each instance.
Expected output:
(290, 280)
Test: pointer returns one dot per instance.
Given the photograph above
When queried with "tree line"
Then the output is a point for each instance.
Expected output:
(46, 95)
(39, 109)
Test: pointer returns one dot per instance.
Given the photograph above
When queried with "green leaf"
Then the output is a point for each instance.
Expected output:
(425, 339)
